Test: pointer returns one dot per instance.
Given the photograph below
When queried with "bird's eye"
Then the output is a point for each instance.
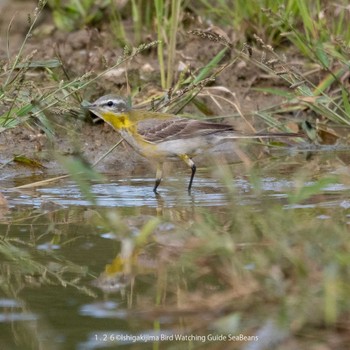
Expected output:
(110, 103)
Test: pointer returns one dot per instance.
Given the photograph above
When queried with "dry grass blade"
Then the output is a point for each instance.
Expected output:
(40, 183)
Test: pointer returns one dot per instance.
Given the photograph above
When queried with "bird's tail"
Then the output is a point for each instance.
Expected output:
(263, 135)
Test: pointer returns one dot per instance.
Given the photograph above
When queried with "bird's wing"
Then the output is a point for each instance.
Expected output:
(155, 130)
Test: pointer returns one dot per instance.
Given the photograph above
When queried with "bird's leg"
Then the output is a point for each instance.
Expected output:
(191, 164)
(193, 169)
(159, 174)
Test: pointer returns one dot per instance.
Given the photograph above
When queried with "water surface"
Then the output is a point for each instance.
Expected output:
(77, 275)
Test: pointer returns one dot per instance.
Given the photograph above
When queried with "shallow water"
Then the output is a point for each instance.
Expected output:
(133, 193)
(137, 192)
(62, 286)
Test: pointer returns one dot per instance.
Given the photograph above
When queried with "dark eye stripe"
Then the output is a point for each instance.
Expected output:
(117, 105)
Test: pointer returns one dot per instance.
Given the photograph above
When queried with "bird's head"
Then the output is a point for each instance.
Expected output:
(113, 109)
(109, 104)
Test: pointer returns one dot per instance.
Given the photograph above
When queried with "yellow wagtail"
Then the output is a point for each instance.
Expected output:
(162, 136)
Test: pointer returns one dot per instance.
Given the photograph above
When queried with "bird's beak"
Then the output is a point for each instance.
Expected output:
(87, 105)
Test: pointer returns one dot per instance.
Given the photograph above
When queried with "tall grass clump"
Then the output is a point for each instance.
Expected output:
(286, 30)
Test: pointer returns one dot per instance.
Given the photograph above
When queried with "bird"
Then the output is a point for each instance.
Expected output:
(166, 137)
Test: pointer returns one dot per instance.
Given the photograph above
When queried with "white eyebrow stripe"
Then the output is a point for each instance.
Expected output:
(115, 104)
(114, 101)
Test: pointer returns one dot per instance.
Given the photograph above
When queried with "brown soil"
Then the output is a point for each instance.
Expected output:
(90, 49)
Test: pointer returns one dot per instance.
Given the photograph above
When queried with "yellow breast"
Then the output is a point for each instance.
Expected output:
(118, 121)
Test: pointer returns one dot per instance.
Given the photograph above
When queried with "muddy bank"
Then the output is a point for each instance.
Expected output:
(92, 50)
